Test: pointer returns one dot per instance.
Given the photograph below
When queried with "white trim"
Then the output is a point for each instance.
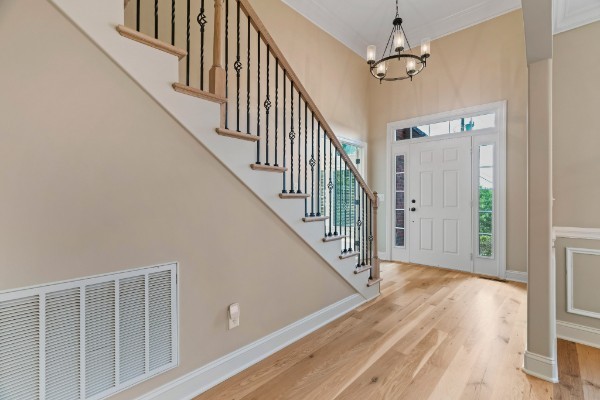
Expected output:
(566, 17)
(576, 233)
(384, 255)
(578, 333)
(210, 375)
(540, 366)
(500, 131)
(570, 285)
(516, 276)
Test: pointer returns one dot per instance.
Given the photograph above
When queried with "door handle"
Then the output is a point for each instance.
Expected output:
(413, 209)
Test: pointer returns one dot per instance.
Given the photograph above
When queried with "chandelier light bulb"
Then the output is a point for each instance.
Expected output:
(371, 54)
(411, 67)
(399, 41)
(425, 48)
(381, 70)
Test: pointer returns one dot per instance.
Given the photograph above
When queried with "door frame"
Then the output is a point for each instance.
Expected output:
(499, 108)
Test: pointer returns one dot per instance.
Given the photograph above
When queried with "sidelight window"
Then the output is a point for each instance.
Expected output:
(400, 202)
(486, 200)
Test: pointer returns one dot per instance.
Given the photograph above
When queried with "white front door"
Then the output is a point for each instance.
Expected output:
(438, 203)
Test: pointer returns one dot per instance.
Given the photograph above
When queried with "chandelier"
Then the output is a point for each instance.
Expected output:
(398, 48)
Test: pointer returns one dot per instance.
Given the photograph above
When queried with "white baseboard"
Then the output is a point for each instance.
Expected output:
(516, 276)
(204, 378)
(578, 333)
(541, 367)
(383, 255)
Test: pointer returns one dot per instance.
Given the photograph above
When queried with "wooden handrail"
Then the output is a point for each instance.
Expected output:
(278, 54)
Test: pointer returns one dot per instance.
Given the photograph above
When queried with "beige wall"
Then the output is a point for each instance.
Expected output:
(576, 130)
(334, 76)
(479, 65)
(576, 158)
(95, 177)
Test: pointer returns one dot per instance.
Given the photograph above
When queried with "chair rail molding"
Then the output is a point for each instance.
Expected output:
(576, 233)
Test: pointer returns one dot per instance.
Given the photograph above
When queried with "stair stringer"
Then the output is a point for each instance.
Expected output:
(155, 72)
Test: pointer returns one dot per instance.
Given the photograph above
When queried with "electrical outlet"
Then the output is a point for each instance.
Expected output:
(381, 197)
(234, 315)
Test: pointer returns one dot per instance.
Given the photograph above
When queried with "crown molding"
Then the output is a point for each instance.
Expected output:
(571, 14)
(330, 23)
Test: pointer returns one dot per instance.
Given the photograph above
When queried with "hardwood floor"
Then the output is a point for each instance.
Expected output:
(432, 334)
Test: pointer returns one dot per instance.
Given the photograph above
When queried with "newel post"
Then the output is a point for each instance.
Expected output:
(376, 271)
(217, 72)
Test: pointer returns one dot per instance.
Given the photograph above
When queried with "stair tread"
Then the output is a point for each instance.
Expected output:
(334, 238)
(268, 168)
(150, 41)
(201, 94)
(237, 135)
(349, 254)
(373, 282)
(315, 219)
(294, 195)
(362, 269)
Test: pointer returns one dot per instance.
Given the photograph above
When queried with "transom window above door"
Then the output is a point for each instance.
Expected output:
(447, 127)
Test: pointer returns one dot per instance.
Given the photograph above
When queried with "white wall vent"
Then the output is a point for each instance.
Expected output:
(90, 338)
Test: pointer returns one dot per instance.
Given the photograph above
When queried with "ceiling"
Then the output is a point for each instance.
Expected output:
(358, 23)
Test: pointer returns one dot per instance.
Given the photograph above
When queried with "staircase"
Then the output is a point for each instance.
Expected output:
(221, 75)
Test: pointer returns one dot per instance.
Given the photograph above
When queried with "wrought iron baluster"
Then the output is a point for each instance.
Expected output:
(173, 22)
(226, 63)
(137, 15)
(370, 232)
(299, 141)
(330, 187)
(258, 97)
(312, 167)
(155, 19)
(202, 22)
(357, 246)
(276, 109)
(284, 190)
(344, 199)
(238, 68)
(292, 137)
(352, 209)
(305, 157)
(268, 104)
(319, 169)
(187, 58)
(335, 189)
(364, 239)
(248, 82)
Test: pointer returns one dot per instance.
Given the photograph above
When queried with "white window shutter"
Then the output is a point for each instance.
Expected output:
(19, 348)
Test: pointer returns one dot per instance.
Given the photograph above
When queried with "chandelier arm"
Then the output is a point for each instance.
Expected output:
(396, 56)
